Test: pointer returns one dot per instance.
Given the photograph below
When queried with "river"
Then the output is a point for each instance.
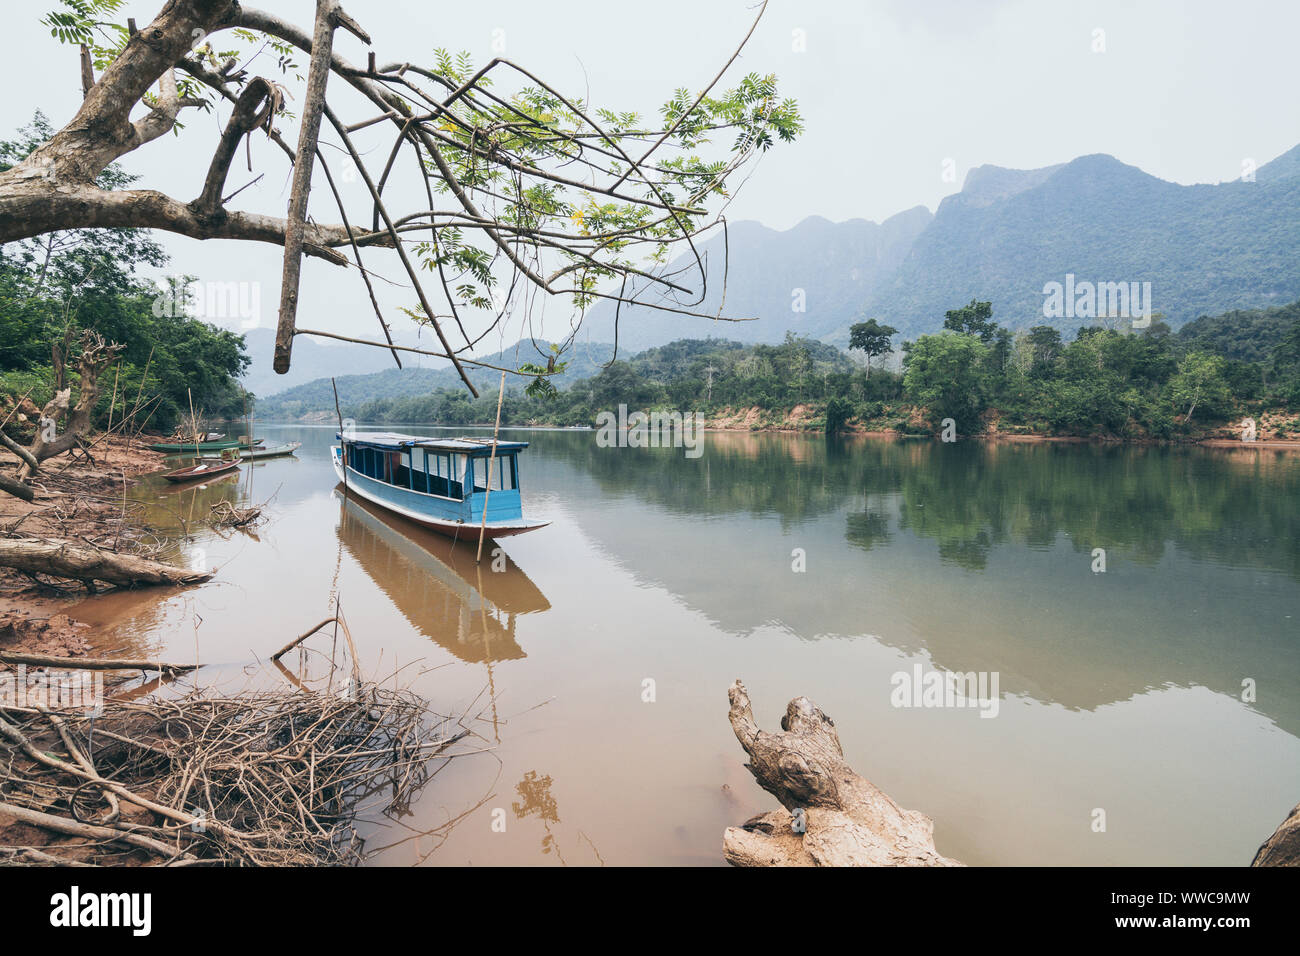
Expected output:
(1146, 714)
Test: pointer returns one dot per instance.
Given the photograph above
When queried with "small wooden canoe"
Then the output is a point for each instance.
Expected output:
(172, 447)
(271, 451)
(190, 448)
(206, 468)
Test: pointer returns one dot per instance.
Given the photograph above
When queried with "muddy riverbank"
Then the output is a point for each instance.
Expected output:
(82, 499)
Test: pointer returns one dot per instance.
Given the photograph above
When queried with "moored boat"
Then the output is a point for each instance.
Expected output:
(204, 468)
(271, 451)
(190, 448)
(442, 483)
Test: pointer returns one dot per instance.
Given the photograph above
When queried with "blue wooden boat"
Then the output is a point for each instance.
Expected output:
(441, 483)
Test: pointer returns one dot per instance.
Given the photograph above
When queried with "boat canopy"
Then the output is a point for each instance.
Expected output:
(393, 441)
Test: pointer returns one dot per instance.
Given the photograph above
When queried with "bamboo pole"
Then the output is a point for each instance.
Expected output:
(113, 401)
(487, 484)
(139, 392)
(193, 421)
(343, 448)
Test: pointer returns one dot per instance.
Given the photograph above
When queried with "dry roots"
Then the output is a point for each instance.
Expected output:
(262, 778)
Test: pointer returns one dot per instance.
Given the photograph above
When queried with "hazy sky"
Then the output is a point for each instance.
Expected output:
(890, 89)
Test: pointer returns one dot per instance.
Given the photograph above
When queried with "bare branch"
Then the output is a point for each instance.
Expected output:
(308, 133)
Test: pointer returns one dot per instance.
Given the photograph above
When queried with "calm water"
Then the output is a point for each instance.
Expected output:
(1119, 690)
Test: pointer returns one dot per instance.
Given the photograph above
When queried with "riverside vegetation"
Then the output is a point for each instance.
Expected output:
(1100, 382)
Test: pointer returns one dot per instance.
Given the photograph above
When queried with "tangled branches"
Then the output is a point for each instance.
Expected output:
(224, 515)
(262, 778)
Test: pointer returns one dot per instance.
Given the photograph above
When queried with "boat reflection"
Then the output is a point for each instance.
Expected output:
(467, 608)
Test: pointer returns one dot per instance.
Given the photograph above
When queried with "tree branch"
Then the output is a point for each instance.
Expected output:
(39, 208)
(253, 108)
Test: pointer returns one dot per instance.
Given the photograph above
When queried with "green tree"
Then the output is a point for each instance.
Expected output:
(1199, 382)
(1045, 342)
(838, 412)
(944, 374)
(973, 319)
(59, 284)
(871, 338)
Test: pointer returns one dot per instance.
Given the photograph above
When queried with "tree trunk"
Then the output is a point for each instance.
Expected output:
(96, 355)
(847, 820)
(64, 560)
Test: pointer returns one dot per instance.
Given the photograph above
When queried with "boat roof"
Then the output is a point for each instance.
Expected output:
(395, 441)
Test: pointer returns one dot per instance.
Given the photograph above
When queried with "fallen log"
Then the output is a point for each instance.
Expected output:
(65, 560)
(93, 663)
(1283, 847)
(846, 820)
(16, 488)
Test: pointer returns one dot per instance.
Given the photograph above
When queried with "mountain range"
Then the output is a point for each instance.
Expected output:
(1204, 249)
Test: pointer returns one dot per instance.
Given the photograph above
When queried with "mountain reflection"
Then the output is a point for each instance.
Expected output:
(978, 554)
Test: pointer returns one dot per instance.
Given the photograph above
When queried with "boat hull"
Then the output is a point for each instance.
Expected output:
(190, 448)
(358, 485)
(275, 451)
(189, 474)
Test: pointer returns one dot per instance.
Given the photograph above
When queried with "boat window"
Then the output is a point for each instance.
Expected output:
(374, 463)
(498, 471)
(400, 468)
(419, 469)
(456, 481)
(438, 475)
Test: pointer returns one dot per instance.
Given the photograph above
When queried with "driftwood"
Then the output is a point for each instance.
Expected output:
(65, 560)
(1283, 847)
(93, 663)
(847, 820)
(271, 778)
